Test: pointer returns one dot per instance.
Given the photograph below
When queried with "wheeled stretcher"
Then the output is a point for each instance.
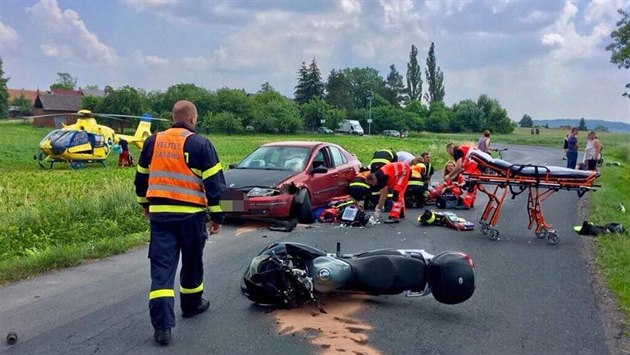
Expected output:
(495, 177)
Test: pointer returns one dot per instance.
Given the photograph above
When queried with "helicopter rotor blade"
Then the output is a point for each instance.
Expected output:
(55, 114)
(150, 118)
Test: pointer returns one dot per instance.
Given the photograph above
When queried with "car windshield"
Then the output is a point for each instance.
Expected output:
(276, 158)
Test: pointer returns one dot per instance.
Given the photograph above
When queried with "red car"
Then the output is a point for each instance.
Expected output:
(290, 179)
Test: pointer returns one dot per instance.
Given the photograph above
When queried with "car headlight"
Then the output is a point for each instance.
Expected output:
(260, 192)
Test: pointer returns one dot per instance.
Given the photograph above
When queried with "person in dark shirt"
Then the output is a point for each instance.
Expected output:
(572, 150)
(123, 158)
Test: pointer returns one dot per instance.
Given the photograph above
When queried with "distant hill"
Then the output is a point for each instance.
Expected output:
(558, 122)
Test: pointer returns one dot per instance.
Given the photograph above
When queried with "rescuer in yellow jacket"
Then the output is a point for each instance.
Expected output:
(179, 181)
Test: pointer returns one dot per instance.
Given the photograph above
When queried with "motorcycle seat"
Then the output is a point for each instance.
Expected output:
(387, 274)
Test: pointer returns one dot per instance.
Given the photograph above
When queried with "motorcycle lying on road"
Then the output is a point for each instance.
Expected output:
(291, 274)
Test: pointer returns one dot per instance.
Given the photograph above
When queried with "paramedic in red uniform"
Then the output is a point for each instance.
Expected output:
(394, 176)
(178, 182)
(462, 164)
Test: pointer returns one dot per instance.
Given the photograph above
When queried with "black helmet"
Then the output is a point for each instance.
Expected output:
(451, 276)
(263, 277)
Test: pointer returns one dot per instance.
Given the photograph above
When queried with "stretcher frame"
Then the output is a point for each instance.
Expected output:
(540, 183)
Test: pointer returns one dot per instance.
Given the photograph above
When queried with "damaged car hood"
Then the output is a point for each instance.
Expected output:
(239, 178)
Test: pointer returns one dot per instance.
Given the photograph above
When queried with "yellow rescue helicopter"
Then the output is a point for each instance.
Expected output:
(86, 141)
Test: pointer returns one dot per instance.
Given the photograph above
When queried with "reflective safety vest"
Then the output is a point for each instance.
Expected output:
(417, 172)
(360, 180)
(397, 175)
(169, 175)
(383, 156)
(467, 164)
(427, 170)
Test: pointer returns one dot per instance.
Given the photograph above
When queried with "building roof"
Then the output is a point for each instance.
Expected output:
(67, 92)
(93, 92)
(52, 102)
(29, 94)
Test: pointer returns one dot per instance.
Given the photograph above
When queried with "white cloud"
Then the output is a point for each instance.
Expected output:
(50, 50)
(604, 10)
(196, 63)
(551, 39)
(142, 5)
(151, 61)
(533, 17)
(65, 28)
(351, 6)
(396, 10)
(8, 35)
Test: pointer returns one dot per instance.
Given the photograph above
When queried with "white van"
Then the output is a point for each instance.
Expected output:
(350, 127)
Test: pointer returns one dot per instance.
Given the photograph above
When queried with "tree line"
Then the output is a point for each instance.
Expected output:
(391, 102)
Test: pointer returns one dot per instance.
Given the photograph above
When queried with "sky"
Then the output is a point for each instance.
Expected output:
(543, 58)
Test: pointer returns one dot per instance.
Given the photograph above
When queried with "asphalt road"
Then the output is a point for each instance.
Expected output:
(531, 297)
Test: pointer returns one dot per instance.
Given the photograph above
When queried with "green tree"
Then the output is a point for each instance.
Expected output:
(65, 81)
(600, 128)
(620, 47)
(439, 119)
(414, 76)
(226, 122)
(495, 116)
(418, 114)
(364, 83)
(266, 87)
(24, 105)
(310, 83)
(201, 97)
(234, 101)
(582, 125)
(394, 86)
(90, 102)
(435, 78)
(4, 93)
(339, 91)
(316, 110)
(277, 116)
(91, 87)
(125, 101)
(467, 116)
(526, 121)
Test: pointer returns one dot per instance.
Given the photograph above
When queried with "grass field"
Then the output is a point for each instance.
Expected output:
(58, 218)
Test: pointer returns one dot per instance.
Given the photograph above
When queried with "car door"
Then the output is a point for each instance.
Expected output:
(322, 186)
(344, 172)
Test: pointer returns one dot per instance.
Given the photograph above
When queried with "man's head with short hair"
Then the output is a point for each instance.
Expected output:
(486, 133)
(185, 112)
(425, 157)
(450, 149)
(574, 130)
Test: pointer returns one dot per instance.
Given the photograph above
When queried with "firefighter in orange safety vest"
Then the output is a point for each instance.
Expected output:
(395, 177)
(179, 181)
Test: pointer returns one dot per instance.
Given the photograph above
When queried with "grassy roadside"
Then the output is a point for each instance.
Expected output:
(59, 218)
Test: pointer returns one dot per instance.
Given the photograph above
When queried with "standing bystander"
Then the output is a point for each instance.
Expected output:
(572, 148)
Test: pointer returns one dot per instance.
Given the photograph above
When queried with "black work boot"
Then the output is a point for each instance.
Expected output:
(162, 336)
(203, 306)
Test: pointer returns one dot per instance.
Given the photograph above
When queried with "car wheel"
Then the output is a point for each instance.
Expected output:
(303, 210)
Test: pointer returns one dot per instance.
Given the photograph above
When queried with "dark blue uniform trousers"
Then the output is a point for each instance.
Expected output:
(167, 240)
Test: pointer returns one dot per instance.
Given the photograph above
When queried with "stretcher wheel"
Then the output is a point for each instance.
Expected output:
(12, 338)
(542, 234)
(484, 229)
(493, 233)
(552, 238)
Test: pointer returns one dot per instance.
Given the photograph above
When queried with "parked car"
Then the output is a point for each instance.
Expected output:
(324, 130)
(391, 133)
(290, 179)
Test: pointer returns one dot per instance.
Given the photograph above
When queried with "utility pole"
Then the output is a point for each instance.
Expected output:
(370, 114)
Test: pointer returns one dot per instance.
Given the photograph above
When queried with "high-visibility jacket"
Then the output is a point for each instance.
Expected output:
(383, 156)
(360, 180)
(428, 172)
(467, 164)
(169, 175)
(397, 175)
(417, 171)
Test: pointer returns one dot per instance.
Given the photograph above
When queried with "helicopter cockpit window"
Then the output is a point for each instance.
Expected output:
(96, 140)
(80, 137)
(60, 138)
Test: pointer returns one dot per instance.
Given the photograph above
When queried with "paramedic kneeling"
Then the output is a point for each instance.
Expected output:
(394, 176)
